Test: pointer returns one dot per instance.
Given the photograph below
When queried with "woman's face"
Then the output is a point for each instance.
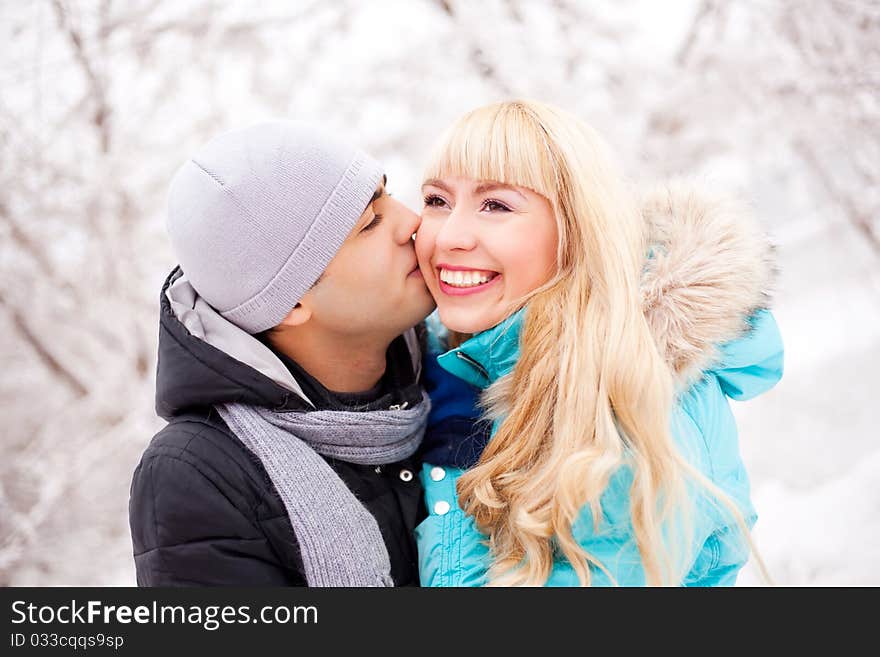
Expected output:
(482, 246)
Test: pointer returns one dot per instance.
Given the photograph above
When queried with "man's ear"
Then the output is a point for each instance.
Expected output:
(298, 316)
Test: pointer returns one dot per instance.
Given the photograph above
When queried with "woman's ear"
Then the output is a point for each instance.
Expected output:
(298, 316)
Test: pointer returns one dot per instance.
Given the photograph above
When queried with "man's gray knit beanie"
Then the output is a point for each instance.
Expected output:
(257, 214)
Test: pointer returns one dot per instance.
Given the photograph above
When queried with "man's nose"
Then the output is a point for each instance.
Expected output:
(407, 225)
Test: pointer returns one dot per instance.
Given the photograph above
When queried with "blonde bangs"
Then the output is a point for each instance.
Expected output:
(503, 143)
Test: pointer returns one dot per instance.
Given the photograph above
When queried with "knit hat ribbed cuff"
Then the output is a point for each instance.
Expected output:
(323, 240)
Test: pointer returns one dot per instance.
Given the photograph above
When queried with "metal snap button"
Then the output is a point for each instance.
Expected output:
(406, 475)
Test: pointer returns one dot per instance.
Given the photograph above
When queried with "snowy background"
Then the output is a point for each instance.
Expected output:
(101, 100)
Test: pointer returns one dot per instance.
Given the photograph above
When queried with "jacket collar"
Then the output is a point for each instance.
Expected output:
(204, 360)
(488, 355)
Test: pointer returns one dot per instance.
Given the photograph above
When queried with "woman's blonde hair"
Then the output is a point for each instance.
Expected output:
(590, 392)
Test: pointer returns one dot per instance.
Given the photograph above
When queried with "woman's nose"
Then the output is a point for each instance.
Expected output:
(456, 232)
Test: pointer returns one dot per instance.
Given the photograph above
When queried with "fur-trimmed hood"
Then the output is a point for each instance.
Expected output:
(710, 268)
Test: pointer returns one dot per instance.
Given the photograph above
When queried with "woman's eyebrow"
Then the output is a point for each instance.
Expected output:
(433, 182)
(482, 188)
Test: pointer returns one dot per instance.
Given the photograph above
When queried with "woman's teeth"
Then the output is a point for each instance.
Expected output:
(465, 278)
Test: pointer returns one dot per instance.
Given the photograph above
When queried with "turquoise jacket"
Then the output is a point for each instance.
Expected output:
(452, 551)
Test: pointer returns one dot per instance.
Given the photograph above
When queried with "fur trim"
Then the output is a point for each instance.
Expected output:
(710, 268)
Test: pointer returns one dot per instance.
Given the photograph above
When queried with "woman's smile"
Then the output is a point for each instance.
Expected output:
(461, 281)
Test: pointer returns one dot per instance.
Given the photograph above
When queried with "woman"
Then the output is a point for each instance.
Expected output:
(608, 337)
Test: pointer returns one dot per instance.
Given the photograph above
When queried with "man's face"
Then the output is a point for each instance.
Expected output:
(373, 286)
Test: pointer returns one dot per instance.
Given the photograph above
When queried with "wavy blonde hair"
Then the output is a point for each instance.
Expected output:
(592, 391)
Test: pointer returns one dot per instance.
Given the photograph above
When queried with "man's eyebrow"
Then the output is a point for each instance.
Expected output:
(380, 189)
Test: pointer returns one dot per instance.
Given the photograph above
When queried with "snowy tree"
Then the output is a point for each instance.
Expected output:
(102, 100)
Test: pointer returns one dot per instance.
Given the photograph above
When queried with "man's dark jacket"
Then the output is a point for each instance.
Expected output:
(203, 510)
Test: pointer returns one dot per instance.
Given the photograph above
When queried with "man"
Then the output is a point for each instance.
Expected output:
(288, 372)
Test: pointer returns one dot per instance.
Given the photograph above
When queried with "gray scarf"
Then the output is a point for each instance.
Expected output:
(339, 540)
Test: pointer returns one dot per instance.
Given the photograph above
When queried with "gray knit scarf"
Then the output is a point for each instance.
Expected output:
(339, 539)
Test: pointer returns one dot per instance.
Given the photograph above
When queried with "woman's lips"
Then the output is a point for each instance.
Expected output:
(464, 291)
